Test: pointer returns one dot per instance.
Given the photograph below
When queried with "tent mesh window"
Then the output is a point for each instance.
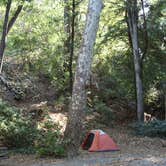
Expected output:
(89, 141)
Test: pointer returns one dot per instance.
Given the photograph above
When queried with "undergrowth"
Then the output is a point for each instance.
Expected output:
(155, 128)
(106, 114)
(21, 134)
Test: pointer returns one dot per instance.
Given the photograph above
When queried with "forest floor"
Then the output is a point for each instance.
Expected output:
(134, 150)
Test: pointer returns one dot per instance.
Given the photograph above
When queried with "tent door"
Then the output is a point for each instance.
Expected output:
(89, 141)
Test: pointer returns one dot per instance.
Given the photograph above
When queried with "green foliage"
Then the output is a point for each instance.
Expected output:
(155, 128)
(16, 130)
(113, 62)
(38, 43)
(24, 136)
(49, 141)
(154, 63)
(106, 114)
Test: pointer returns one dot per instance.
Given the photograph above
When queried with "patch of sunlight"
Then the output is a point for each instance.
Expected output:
(59, 118)
(153, 159)
(120, 45)
(152, 94)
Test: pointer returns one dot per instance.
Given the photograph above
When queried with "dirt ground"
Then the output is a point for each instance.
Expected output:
(134, 151)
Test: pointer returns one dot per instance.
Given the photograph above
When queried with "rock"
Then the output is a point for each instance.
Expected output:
(37, 110)
(41, 105)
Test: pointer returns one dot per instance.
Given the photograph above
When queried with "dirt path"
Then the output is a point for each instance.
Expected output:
(135, 151)
(99, 159)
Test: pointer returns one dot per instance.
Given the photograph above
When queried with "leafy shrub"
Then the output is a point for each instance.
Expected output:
(152, 129)
(105, 112)
(49, 141)
(20, 133)
(15, 130)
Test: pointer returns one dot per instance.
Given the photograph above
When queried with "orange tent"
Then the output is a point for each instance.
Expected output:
(97, 141)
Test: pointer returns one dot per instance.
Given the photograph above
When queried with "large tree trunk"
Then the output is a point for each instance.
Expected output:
(4, 33)
(132, 15)
(78, 103)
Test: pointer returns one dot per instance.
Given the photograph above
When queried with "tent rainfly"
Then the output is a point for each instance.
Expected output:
(99, 141)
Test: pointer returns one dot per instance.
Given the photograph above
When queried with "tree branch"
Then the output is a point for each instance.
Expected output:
(4, 33)
(13, 19)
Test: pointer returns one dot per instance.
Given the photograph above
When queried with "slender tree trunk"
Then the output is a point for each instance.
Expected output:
(14, 18)
(132, 15)
(72, 46)
(78, 102)
(69, 24)
(163, 89)
(67, 29)
(7, 25)
(145, 32)
(4, 33)
(139, 86)
(165, 105)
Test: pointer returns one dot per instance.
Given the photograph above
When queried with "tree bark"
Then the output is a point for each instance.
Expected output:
(163, 87)
(132, 16)
(4, 33)
(72, 45)
(145, 48)
(7, 25)
(78, 102)
(165, 105)
(14, 18)
(69, 24)
(67, 29)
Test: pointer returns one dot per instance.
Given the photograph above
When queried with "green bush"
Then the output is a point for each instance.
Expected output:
(49, 141)
(152, 129)
(22, 135)
(106, 114)
(15, 130)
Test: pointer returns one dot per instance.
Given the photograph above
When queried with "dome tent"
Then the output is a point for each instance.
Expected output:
(98, 141)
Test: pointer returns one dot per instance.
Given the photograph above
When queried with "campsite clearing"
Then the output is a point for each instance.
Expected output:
(134, 151)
